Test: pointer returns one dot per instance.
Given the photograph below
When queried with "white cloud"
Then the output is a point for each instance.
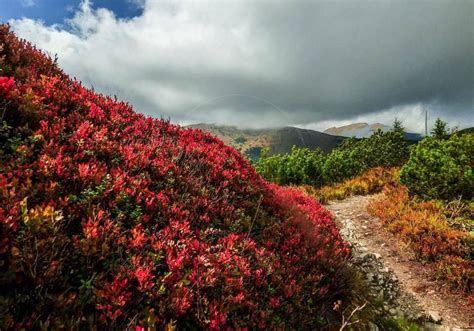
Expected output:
(139, 57)
(270, 64)
(138, 3)
(27, 3)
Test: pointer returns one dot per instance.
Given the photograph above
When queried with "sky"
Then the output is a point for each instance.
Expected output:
(265, 63)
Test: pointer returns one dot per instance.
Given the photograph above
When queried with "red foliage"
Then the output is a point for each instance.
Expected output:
(6, 85)
(425, 229)
(141, 222)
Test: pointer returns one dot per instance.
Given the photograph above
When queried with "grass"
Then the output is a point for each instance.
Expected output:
(372, 181)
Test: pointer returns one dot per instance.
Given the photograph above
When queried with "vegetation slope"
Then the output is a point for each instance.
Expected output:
(110, 219)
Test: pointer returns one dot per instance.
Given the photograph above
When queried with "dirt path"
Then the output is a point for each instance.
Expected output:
(404, 284)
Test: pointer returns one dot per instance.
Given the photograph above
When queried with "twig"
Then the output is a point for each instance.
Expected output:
(255, 216)
(347, 323)
(5, 104)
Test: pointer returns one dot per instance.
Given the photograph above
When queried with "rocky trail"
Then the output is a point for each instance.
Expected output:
(404, 287)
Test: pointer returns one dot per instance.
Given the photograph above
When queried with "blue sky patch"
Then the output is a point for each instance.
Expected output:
(56, 11)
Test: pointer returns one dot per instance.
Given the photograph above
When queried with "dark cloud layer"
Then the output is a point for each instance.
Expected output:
(276, 63)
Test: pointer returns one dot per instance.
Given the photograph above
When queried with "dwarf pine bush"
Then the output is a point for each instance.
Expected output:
(441, 168)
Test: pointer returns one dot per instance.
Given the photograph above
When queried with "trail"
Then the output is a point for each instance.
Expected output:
(405, 286)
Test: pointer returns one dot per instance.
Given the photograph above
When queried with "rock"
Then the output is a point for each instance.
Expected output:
(434, 316)
(370, 276)
(418, 316)
(380, 295)
(373, 327)
(377, 255)
(399, 312)
(435, 327)
(380, 279)
(392, 311)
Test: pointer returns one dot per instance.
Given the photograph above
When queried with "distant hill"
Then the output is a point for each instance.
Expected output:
(363, 130)
(466, 131)
(278, 140)
(358, 130)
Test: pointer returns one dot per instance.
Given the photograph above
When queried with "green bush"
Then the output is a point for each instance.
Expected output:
(385, 149)
(441, 168)
(341, 164)
(301, 166)
(351, 158)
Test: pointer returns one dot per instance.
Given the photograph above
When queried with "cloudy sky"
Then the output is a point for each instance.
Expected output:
(265, 63)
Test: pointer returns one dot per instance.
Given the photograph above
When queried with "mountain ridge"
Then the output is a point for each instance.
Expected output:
(364, 130)
(341, 130)
(277, 140)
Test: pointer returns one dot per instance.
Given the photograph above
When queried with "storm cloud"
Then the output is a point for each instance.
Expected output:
(260, 64)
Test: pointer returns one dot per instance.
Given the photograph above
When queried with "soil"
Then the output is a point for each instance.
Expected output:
(405, 287)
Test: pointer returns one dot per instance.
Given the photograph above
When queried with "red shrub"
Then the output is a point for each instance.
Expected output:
(458, 272)
(110, 218)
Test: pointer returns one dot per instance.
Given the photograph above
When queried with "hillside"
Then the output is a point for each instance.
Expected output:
(278, 140)
(466, 131)
(113, 220)
(364, 130)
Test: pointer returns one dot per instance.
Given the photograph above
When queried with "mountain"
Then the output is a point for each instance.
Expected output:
(358, 130)
(363, 130)
(278, 140)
